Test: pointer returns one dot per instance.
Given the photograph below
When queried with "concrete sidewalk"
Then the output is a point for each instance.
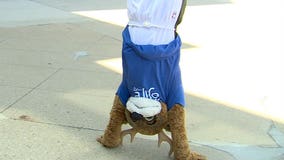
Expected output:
(55, 94)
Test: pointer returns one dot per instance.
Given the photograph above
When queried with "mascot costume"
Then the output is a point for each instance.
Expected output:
(150, 97)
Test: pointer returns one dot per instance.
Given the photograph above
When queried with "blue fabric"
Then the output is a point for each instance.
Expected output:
(151, 71)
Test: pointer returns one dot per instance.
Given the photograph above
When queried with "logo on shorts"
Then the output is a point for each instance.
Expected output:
(147, 93)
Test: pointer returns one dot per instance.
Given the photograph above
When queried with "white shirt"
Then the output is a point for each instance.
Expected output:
(152, 21)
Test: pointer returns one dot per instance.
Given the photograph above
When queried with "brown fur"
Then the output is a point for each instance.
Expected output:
(176, 120)
(173, 120)
(111, 137)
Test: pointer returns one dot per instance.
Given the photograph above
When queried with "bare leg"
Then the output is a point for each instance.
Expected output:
(176, 117)
(111, 137)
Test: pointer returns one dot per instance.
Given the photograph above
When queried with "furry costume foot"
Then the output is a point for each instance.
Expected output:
(111, 137)
(176, 119)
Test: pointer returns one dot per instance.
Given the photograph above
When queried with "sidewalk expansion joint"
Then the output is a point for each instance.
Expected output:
(214, 148)
(2, 41)
(30, 91)
(276, 135)
(30, 120)
(47, 5)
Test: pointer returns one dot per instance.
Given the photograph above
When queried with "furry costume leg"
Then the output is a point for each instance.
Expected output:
(111, 137)
(176, 118)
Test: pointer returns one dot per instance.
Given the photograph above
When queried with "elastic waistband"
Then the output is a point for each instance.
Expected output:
(147, 24)
(153, 52)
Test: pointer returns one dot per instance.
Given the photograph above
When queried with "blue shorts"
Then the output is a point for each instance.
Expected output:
(151, 71)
